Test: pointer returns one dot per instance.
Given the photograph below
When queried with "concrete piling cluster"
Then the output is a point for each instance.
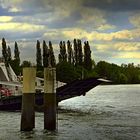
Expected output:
(28, 99)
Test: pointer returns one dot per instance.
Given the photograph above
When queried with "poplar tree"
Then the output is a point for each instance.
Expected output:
(64, 52)
(75, 51)
(79, 53)
(15, 63)
(9, 54)
(52, 61)
(45, 54)
(61, 52)
(4, 51)
(16, 52)
(87, 56)
(38, 55)
(70, 53)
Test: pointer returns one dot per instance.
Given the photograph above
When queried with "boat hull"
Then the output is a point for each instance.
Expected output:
(14, 103)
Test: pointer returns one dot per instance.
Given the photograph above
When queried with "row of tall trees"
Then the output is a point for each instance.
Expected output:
(46, 58)
(7, 56)
(74, 62)
(74, 59)
(77, 54)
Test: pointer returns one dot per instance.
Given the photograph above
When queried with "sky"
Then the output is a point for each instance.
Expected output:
(112, 27)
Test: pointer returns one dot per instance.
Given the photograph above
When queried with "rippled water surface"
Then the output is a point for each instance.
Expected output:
(105, 113)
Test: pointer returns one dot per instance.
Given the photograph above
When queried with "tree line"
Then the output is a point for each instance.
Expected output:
(124, 74)
(72, 54)
(7, 56)
(73, 59)
(74, 62)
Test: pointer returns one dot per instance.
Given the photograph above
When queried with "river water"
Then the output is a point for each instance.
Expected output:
(109, 112)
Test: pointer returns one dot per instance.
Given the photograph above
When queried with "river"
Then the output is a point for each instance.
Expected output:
(110, 112)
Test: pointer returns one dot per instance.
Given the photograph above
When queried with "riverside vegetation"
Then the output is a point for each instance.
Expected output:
(74, 62)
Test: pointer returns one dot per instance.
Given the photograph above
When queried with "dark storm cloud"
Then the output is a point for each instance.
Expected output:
(113, 5)
(31, 7)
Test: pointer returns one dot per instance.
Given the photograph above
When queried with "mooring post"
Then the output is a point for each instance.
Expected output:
(49, 99)
(28, 99)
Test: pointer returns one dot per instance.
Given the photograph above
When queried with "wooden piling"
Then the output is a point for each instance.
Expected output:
(49, 99)
(28, 99)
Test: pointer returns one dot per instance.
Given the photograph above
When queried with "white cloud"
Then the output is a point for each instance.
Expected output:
(133, 55)
(102, 47)
(119, 46)
(5, 18)
(106, 27)
(94, 35)
(127, 46)
(20, 27)
(14, 9)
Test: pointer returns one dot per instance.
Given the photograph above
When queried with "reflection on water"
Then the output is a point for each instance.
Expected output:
(105, 113)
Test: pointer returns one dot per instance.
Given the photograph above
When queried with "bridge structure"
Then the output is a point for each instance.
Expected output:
(70, 90)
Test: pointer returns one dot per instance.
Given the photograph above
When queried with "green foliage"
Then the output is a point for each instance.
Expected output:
(4, 51)
(122, 78)
(70, 52)
(63, 54)
(15, 63)
(26, 64)
(75, 46)
(45, 54)
(16, 52)
(124, 74)
(79, 52)
(51, 55)
(38, 56)
(66, 72)
(87, 56)
(132, 73)
(9, 54)
(15, 66)
(90, 74)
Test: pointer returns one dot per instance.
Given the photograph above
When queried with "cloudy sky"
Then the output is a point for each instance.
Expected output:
(112, 27)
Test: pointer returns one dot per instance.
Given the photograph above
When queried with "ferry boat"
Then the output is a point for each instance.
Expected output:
(9, 83)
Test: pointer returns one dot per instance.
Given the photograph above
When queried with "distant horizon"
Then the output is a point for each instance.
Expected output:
(111, 27)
